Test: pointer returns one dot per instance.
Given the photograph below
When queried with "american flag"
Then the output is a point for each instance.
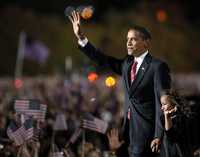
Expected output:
(74, 137)
(95, 124)
(32, 108)
(14, 133)
(19, 134)
(28, 130)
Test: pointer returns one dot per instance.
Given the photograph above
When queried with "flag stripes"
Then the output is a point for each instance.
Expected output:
(95, 124)
(20, 134)
(31, 108)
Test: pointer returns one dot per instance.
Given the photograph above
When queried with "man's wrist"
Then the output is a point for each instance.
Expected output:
(82, 42)
(80, 36)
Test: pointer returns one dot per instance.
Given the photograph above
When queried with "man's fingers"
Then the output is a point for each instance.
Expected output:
(71, 19)
(152, 144)
(78, 17)
(156, 146)
(73, 15)
(153, 149)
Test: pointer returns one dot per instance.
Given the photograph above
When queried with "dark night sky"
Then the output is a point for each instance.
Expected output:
(190, 7)
(182, 28)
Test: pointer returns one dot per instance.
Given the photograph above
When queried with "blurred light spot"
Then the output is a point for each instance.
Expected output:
(87, 12)
(161, 15)
(18, 83)
(92, 76)
(110, 81)
(92, 99)
(1, 146)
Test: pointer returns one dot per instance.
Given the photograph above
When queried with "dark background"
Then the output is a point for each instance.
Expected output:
(175, 39)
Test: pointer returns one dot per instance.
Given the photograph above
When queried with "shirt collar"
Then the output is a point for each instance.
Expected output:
(141, 57)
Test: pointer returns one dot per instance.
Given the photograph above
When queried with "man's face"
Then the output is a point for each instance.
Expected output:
(136, 45)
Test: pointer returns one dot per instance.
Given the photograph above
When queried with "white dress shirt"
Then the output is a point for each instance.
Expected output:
(140, 60)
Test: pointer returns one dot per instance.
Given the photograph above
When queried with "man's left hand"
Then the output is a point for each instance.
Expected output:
(155, 145)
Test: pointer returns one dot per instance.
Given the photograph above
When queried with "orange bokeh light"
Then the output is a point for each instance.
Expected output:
(161, 15)
(87, 13)
(92, 76)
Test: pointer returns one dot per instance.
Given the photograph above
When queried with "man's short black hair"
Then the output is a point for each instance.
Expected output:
(145, 34)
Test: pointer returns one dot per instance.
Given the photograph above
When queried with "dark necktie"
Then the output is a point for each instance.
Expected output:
(133, 71)
(133, 76)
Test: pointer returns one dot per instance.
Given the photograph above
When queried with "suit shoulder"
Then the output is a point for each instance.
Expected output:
(158, 65)
(158, 62)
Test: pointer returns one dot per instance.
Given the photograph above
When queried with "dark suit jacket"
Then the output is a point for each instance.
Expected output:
(143, 96)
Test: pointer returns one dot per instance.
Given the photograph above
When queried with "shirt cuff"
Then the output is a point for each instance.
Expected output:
(83, 42)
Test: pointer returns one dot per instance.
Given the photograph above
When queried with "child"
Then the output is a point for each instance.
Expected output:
(175, 111)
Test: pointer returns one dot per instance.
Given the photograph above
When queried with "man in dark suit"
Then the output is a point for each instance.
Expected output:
(144, 78)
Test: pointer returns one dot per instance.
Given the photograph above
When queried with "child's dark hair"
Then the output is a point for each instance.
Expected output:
(180, 102)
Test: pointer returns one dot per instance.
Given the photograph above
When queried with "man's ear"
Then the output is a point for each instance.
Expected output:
(147, 43)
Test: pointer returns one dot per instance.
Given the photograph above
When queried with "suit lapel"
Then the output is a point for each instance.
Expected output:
(127, 72)
(141, 72)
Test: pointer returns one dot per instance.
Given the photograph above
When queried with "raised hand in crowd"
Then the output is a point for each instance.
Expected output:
(113, 138)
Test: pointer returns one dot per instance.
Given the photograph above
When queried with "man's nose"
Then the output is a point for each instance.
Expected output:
(129, 43)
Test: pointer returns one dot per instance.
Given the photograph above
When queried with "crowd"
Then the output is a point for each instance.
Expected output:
(71, 97)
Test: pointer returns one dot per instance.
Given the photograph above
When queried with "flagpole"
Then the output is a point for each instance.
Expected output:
(20, 55)
(52, 142)
(83, 143)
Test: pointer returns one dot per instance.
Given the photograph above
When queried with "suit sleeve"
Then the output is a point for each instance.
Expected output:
(102, 59)
(162, 81)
